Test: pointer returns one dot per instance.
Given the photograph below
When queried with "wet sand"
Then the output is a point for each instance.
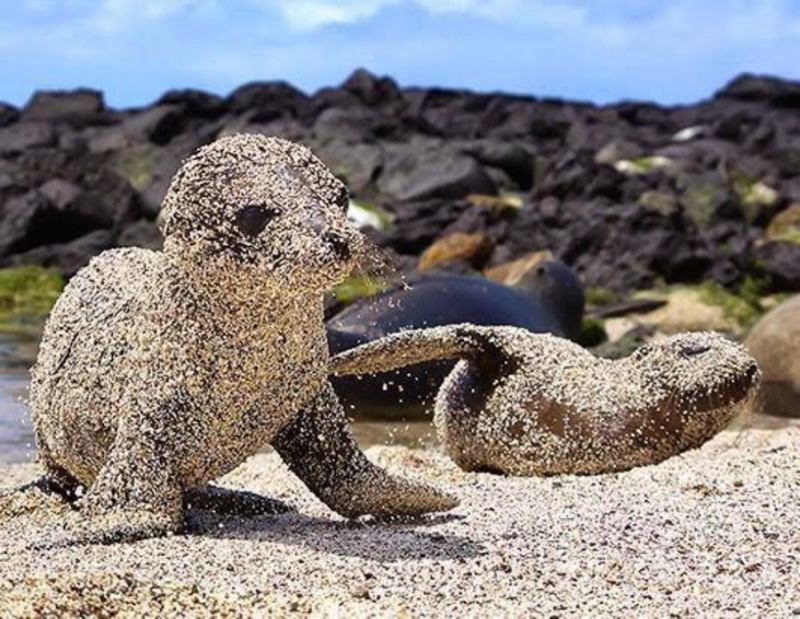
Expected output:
(713, 532)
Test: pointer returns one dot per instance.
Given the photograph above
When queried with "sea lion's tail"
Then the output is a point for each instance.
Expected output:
(409, 347)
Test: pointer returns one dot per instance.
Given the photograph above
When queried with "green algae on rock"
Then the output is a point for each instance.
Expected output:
(26, 295)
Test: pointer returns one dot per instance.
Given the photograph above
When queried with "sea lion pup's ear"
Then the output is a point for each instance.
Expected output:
(409, 347)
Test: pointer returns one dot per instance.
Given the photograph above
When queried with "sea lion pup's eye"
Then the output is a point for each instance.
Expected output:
(253, 218)
(692, 350)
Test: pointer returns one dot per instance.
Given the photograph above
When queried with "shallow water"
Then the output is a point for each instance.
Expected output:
(18, 352)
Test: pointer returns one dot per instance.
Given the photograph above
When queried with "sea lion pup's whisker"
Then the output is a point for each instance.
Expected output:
(373, 261)
(529, 404)
(751, 405)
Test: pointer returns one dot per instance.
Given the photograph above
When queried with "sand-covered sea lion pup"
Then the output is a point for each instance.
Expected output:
(161, 371)
(534, 404)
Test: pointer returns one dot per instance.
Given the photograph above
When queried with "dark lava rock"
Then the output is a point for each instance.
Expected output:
(194, 102)
(779, 261)
(68, 257)
(409, 175)
(57, 212)
(370, 89)
(762, 88)
(266, 101)
(106, 200)
(580, 175)
(514, 159)
(81, 106)
(142, 233)
(158, 125)
(23, 135)
(8, 114)
(149, 168)
(627, 194)
(26, 223)
(416, 225)
(356, 164)
(352, 125)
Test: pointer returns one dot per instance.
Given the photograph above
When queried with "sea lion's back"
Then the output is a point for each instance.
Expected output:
(87, 324)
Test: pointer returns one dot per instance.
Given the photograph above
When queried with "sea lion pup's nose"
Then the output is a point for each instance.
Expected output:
(338, 243)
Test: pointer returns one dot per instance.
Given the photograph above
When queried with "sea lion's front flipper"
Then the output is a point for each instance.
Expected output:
(319, 448)
(407, 348)
(135, 495)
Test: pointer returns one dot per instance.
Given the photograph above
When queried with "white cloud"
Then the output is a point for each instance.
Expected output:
(311, 14)
(112, 16)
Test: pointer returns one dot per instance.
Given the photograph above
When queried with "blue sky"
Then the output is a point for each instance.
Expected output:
(600, 50)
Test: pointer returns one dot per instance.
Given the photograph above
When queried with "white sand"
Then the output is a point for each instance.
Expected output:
(715, 532)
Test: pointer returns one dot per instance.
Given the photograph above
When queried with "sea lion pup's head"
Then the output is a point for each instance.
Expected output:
(704, 375)
(261, 206)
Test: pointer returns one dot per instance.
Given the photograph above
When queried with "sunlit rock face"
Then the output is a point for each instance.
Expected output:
(775, 342)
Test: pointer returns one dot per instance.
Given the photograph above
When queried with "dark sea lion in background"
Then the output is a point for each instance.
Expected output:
(548, 299)
(533, 404)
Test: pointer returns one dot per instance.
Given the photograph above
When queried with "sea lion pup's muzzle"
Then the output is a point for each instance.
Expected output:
(339, 244)
(343, 241)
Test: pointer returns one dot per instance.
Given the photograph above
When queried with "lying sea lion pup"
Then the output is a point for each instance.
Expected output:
(522, 403)
(161, 371)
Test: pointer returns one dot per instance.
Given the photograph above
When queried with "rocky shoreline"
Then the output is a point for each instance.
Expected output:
(710, 532)
(630, 194)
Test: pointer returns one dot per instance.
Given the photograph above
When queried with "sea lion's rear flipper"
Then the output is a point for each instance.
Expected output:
(225, 501)
(44, 493)
(319, 448)
(409, 347)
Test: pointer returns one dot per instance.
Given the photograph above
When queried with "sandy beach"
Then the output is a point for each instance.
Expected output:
(713, 532)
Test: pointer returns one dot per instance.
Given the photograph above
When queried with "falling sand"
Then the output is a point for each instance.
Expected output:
(712, 532)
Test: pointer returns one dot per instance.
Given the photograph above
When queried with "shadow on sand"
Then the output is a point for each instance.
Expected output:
(378, 540)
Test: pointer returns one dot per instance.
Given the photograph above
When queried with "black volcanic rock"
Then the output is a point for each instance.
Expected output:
(411, 174)
(142, 233)
(265, 101)
(158, 124)
(762, 88)
(371, 89)
(8, 114)
(416, 225)
(780, 262)
(67, 257)
(513, 158)
(627, 194)
(21, 136)
(194, 102)
(80, 107)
